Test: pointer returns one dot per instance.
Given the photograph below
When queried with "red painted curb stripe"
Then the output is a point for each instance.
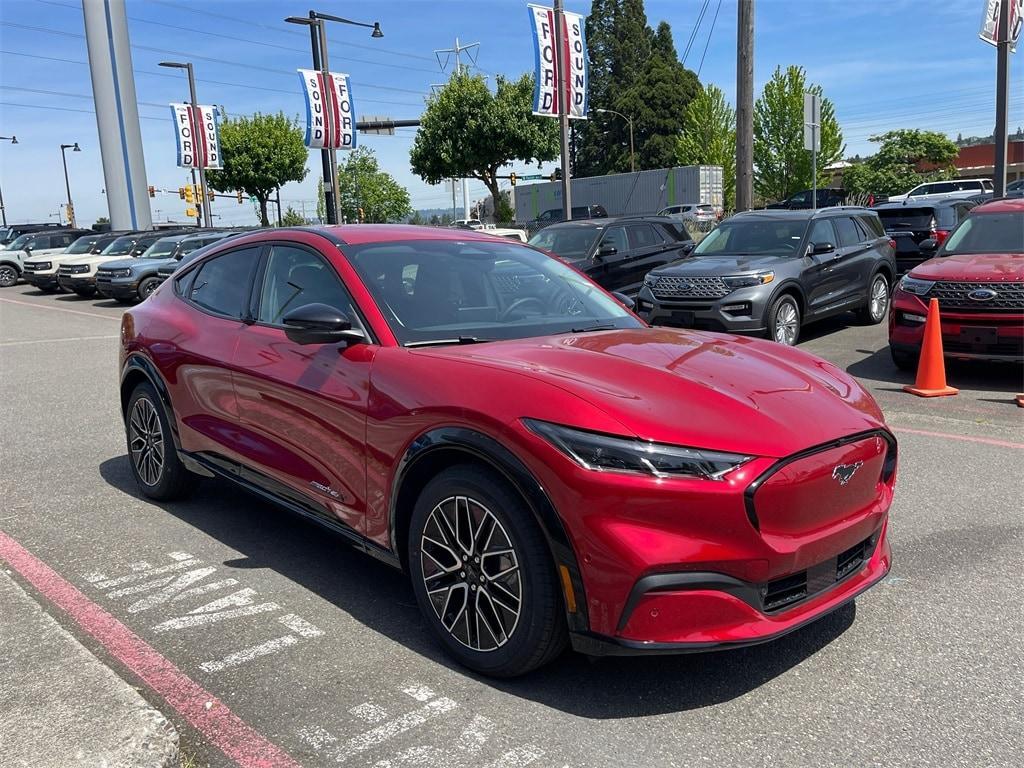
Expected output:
(218, 724)
(965, 438)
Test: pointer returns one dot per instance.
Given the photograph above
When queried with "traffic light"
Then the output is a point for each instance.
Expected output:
(239, 197)
(191, 213)
(190, 194)
(212, 195)
(181, 192)
(512, 178)
(152, 191)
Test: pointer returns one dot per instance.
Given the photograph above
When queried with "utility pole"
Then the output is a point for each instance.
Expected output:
(1002, 97)
(197, 117)
(745, 105)
(563, 112)
(325, 157)
(458, 50)
(67, 184)
(3, 211)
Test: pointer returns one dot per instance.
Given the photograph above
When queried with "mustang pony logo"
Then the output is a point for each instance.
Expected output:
(845, 472)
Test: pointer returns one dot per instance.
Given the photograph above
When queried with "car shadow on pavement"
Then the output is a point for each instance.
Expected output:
(381, 599)
(963, 374)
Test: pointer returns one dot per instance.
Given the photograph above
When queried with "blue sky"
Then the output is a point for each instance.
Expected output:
(884, 63)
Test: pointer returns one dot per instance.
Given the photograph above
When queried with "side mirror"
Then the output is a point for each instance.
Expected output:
(320, 324)
(688, 247)
(624, 300)
(607, 250)
(820, 248)
(930, 245)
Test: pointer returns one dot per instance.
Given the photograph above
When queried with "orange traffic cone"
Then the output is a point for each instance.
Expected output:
(931, 369)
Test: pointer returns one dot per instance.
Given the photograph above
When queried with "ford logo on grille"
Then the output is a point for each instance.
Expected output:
(684, 287)
(982, 294)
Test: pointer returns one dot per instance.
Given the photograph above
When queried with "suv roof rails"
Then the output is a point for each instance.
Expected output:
(641, 216)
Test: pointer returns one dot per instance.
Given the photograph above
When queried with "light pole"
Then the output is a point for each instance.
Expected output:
(204, 193)
(67, 184)
(3, 211)
(318, 45)
(629, 119)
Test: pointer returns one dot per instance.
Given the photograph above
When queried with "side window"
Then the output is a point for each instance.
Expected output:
(616, 237)
(847, 230)
(822, 232)
(295, 277)
(872, 227)
(642, 236)
(222, 283)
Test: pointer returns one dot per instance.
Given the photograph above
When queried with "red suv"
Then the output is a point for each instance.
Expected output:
(978, 278)
(544, 465)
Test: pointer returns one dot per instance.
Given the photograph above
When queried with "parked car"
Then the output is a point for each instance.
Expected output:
(467, 224)
(133, 279)
(951, 188)
(11, 232)
(700, 213)
(33, 245)
(977, 276)
(545, 467)
(78, 274)
(512, 234)
(911, 223)
(554, 215)
(827, 197)
(771, 272)
(184, 254)
(616, 253)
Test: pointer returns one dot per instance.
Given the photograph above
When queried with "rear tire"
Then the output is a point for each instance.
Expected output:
(8, 276)
(483, 575)
(784, 320)
(905, 361)
(154, 460)
(877, 306)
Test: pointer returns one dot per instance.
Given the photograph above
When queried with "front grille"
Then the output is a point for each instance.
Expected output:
(671, 287)
(1008, 348)
(957, 295)
(38, 266)
(797, 587)
(74, 269)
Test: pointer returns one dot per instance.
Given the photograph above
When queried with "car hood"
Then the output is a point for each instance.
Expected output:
(721, 264)
(983, 267)
(40, 253)
(131, 263)
(692, 388)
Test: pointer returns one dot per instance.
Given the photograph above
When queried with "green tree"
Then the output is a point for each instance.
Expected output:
(417, 218)
(101, 220)
(588, 135)
(905, 158)
(468, 132)
(709, 138)
(292, 218)
(782, 165)
(362, 184)
(260, 154)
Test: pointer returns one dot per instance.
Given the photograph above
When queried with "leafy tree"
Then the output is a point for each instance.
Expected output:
(321, 201)
(782, 165)
(468, 132)
(101, 220)
(292, 218)
(504, 213)
(362, 184)
(709, 138)
(260, 154)
(417, 218)
(905, 158)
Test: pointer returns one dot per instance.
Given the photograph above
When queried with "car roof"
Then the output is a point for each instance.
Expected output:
(1003, 205)
(936, 202)
(360, 234)
(605, 221)
(803, 213)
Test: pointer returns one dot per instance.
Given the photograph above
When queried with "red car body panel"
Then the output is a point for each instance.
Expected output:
(335, 425)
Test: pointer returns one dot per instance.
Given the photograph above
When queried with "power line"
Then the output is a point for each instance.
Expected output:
(693, 32)
(710, 33)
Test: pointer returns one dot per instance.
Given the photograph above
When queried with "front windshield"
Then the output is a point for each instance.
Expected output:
(987, 233)
(120, 247)
(161, 249)
(19, 242)
(571, 242)
(82, 245)
(754, 236)
(455, 291)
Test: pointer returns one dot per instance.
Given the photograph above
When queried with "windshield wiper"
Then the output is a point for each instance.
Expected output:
(438, 342)
(593, 328)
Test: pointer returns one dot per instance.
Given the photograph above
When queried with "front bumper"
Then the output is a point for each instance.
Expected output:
(118, 287)
(77, 282)
(742, 311)
(44, 280)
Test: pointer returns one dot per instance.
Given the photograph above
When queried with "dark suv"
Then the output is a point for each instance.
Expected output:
(910, 224)
(553, 215)
(617, 253)
(769, 272)
(802, 200)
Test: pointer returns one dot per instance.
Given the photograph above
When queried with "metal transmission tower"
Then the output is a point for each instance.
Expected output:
(472, 51)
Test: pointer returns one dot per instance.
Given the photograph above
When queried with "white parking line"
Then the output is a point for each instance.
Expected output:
(61, 309)
(53, 341)
(248, 654)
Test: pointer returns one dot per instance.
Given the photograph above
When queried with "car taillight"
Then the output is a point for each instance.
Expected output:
(940, 235)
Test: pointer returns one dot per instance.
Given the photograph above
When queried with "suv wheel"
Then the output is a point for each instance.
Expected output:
(875, 310)
(8, 276)
(147, 286)
(154, 461)
(784, 320)
(905, 361)
(483, 575)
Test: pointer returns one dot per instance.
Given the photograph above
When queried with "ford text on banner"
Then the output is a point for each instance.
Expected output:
(198, 135)
(574, 50)
(337, 127)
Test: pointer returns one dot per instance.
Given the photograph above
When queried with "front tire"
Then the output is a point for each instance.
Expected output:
(147, 286)
(483, 575)
(8, 276)
(877, 306)
(784, 320)
(905, 361)
(155, 465)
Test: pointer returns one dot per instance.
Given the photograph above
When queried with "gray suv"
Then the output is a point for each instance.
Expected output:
(769, 272)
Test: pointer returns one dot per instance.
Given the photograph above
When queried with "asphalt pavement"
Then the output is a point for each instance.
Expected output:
(319, 651)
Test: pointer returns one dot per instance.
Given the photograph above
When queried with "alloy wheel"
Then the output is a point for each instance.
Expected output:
(471, 573)
(786, 321)
(8, 276)
(879, 298)
(146, 441)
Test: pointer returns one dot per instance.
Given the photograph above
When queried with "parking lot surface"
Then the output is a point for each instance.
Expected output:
(321, 651)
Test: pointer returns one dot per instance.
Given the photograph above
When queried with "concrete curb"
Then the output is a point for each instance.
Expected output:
(60, 705)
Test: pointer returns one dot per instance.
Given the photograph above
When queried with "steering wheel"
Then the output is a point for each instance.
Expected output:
(788, 246)
(519, 304)
(565, 303)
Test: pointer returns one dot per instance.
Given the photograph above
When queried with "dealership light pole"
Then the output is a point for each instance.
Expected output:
(744, 105)
(67, 184)
(204, 193)
(3, 211)
(561, 77)
(1002, 98)
(629, 119)
(318, 44)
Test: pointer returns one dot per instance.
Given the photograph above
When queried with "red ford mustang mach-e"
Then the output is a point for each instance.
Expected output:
(544, 466)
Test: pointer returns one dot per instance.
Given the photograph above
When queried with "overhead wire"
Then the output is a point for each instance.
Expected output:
(710, 33)
(693, 32)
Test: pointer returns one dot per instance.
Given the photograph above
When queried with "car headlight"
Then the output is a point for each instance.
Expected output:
(651, 280)
(915, 286)
(120, 272)
(607, 453)
(746, 281)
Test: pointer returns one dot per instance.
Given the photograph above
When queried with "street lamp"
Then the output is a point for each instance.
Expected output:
(318, 46)
(632, 155)
(204, 193)
(3, 211)
(67, 184)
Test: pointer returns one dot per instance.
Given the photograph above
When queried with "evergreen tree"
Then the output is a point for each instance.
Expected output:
(588, 140)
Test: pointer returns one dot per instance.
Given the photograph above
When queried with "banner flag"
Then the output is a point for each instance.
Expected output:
(335, 129)
(574, 51)
(197, 132)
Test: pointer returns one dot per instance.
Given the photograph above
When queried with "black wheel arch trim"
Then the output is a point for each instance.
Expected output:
(490, 451)
(136, 364)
